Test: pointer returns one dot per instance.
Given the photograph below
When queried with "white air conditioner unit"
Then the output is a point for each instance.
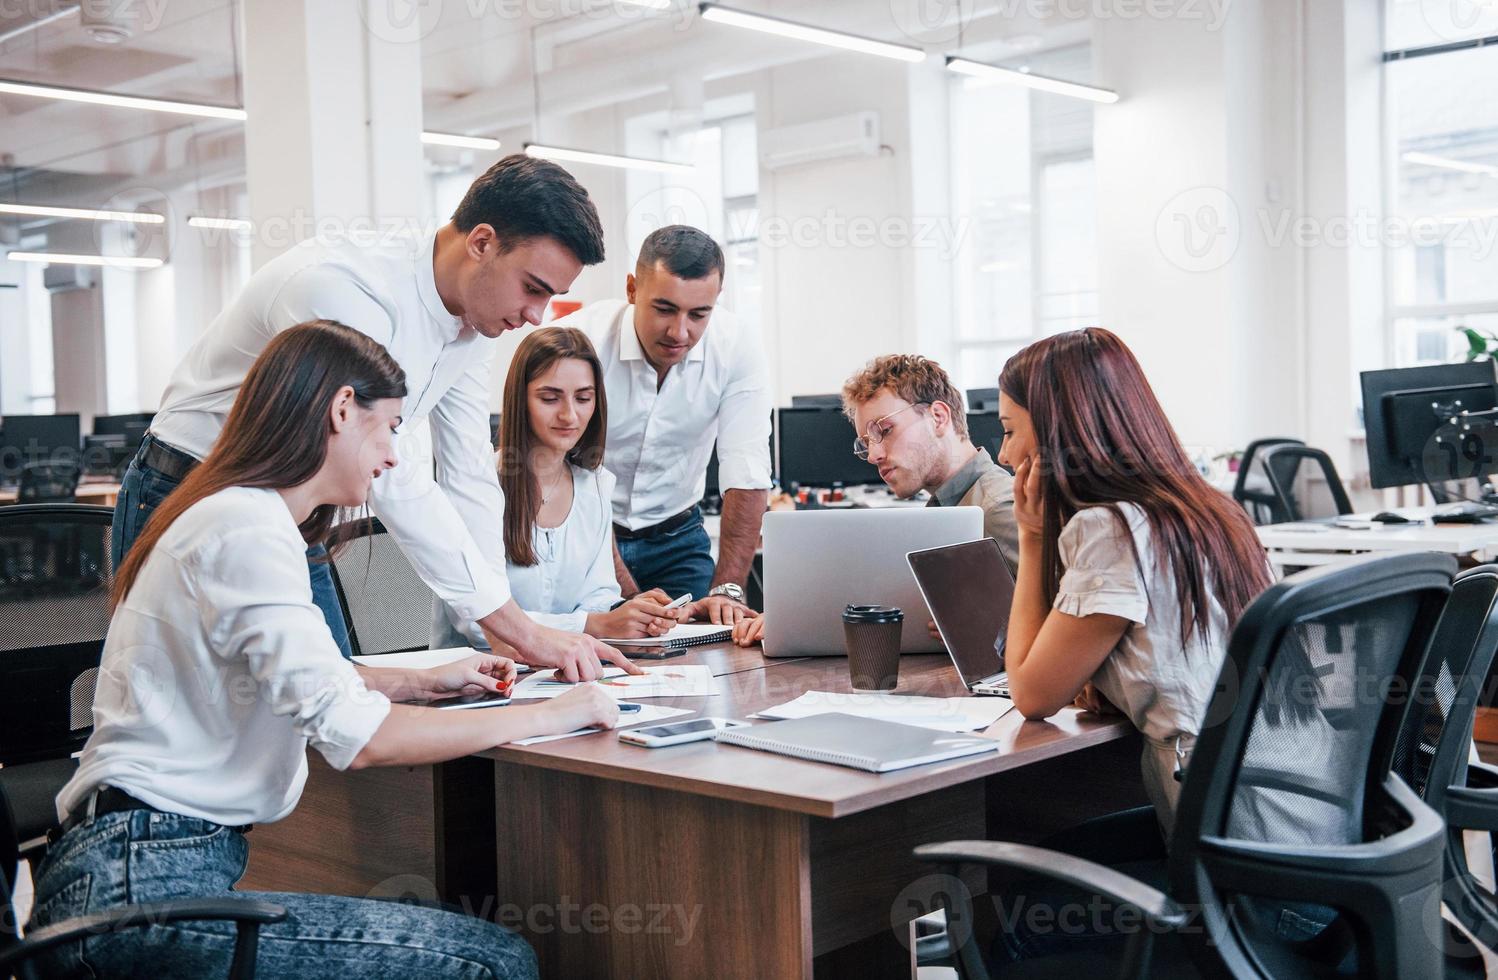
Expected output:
(854, 135)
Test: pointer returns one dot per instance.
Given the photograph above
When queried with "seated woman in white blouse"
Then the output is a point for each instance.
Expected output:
(1133, 571)
(559, 535)
(219, 671)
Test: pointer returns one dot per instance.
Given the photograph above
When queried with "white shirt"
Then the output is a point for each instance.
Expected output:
(574, 570)
(659, 442)
(1162, 686)
(449, 527)
(218, 670)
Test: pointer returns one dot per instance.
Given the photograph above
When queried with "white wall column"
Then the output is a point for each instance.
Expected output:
(332, 143)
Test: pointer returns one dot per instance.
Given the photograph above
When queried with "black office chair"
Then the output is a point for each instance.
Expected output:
(1305, 483)
(1283, 816)
(386, 605)
(55, 576)
(1432, 753)
(54, 482)
(17, 953)
(1252, 488)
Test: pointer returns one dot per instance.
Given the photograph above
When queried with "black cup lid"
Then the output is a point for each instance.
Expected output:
(855, 613)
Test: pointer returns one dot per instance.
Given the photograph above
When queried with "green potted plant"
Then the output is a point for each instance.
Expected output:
(1481, 344)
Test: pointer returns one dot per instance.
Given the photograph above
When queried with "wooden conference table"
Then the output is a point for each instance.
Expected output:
(701, 859)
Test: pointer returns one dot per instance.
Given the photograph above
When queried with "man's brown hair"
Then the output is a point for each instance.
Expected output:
(914, 378)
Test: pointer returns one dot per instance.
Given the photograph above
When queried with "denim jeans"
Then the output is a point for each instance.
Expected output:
(676, 562)
(144, 488)
(140, 856)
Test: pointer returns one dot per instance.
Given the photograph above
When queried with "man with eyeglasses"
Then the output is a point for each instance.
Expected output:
(912, 426)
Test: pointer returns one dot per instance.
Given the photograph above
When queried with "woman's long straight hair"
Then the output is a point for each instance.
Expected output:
(1104, 440)
(277, 432)
(517, 476)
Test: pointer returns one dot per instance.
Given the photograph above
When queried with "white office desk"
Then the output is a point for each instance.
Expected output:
(1296, 545)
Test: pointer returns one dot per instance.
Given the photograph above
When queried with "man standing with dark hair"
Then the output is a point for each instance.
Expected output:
(522, 233)
(681, 375)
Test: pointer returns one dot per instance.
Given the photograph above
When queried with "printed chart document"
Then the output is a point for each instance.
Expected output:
(679, 681)
(647, 715)
(941, 714)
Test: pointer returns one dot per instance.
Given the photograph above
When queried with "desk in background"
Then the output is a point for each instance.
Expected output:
(748, 863)
(1293, 545)
(104, 494)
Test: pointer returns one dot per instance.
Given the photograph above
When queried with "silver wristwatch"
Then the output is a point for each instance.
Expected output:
(732, 590)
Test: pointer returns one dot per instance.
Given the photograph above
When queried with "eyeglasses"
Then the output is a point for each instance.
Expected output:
(872, 436)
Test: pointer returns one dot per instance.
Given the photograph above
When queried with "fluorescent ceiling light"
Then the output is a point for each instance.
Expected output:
(15, 32)
(605, 159)
(121, 101)
(464, 142)
(1013, 76)
(224, 224)
(88, 214)
(1466, 167)
(805, 32)
(65, 258)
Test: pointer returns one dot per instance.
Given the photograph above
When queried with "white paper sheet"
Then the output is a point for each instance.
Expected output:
(942, 714)
(648, 714)
(675, 681)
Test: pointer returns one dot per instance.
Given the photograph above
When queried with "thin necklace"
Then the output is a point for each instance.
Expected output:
(555, 484)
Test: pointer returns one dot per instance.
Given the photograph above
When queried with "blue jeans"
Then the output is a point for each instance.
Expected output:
(140, 856)
(679, 561)
(144, 488)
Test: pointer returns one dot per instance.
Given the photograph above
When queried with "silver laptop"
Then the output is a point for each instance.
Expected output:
(818, 561)
(969, 591)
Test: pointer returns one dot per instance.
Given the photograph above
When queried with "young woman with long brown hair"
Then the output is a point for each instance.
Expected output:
(558, 531)
(219, 670)
(1133, 569)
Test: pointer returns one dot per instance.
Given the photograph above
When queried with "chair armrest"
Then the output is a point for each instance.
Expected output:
(1472, 809)
(1480, 775)
(1157, 907)
(244, 910)
(1400, 851)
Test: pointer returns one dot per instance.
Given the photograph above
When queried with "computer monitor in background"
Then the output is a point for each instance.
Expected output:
(817, 401)
(1431, 424)
(982, 400)
(133, 427)
(816, 449)
(985, 431)
(36, 439)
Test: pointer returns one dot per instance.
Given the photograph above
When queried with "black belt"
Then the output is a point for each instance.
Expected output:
(656, 530)
(107, 799)
(166, 460)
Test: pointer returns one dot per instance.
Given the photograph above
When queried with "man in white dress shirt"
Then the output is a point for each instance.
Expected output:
(522, 233)
(680, 376)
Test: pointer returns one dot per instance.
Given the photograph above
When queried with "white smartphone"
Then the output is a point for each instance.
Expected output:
(695, 730)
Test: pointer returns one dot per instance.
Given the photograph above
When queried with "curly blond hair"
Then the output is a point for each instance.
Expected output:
(914, 378)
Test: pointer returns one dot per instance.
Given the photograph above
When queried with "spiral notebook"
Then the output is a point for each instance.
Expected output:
(860, 743)
(683, 635)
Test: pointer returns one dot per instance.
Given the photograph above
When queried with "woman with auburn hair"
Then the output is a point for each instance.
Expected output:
(1133, 569)
(559, 532)
(218, 671)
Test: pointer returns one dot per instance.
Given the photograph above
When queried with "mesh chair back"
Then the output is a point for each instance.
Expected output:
(54, 482)
(1295, 756)
(1305, 483)
(1432, 751)
(387, 607)
(1252, 488)
(55, 576)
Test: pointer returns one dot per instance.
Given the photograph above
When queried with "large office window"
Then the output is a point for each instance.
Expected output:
(720, 195)
(1441, 143)
(1023, 175)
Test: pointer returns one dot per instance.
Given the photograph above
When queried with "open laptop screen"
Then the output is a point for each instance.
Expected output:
(968, 589)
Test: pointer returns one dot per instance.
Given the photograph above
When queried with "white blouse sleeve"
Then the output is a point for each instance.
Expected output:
(600, 589)
(1101, 573)
(256, 602)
